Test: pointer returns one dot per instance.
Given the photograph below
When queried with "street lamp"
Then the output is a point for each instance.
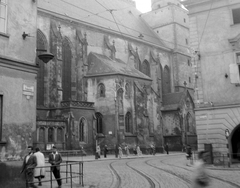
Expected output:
(227, 133)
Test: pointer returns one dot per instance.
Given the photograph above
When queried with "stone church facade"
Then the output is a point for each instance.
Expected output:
(117, 76)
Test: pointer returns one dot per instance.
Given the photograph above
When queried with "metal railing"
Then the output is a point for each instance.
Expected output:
(70, 170)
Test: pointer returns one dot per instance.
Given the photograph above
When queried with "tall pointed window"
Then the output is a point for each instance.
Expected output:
(81, 130)
(50, 134)
(146, 68)
(60, 134)
(41, 135)
(189, 123)
(3, 16)
(101, 90)
(41, 47)
(66, 70)
(128, 123)
(99, 123)
(166, 80)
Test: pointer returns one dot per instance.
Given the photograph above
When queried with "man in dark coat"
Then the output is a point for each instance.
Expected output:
(166, 148)
(29, 163)
(55, 160)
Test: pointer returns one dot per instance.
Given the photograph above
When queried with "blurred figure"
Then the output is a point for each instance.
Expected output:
(127, 150)
(98, 151)
(201, 177)
(152, 146)
(116, 151)
(105, 151)
(29, 163)
(120, 153)
(139, 152)
(189, 154)
(39, 172)
(166, 148)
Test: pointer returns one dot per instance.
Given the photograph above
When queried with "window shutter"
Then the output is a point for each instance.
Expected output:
(234, 73)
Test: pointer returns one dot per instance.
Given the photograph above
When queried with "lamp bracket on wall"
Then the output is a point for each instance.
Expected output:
(24, 35)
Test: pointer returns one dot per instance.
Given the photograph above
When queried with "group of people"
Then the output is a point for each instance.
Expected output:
(34, 166)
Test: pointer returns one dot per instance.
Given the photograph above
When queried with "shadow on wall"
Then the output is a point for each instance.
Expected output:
(10, 175)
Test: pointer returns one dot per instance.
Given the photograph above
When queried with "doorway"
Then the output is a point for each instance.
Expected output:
(235, 142)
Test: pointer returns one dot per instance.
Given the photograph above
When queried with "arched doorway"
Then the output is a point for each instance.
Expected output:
(235, 142)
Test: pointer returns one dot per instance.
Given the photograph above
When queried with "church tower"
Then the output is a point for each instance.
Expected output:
(169, 20)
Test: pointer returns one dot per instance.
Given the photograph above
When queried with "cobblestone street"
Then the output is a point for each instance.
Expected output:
(160, 171)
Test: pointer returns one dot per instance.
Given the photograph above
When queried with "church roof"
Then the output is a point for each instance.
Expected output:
(100, 65)
(114, 15)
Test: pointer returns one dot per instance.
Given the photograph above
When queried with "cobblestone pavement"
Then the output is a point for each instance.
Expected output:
(160, 171)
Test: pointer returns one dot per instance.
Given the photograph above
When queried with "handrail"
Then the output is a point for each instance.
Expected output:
(71, 165)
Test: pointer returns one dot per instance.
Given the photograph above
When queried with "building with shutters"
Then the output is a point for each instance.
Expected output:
(214, 36)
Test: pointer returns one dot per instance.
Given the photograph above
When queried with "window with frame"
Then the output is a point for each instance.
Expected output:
(60, 134)
(66, 70)
(128, 122)
(50, 135)
(146, 68)
(236, 15)
(127, 90)
(235, 70)
(99, 123)
(3, 16)
(81, 130)
(101, 90)
(41, 135)
(1, 112)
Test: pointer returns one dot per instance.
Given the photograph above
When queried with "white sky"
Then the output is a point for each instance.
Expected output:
(143, 5)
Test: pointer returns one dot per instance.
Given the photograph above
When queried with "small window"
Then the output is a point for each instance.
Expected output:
(99, 123)
(101, 90)
(50, 135)
(188, 61)
(184, 20)
(186, 41)
(189, 79)
(236, 15)
(3, 16)
(81, 130)
(41, 135)
(128, 122)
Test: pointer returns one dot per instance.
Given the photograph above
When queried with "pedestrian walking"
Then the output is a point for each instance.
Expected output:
(166, 148)
(152, 146)
(29, 163)
(201, 177)
(55, 159)
(120, 152)
(127, 150)
(139, 152)
(39, 171)
(189, 154)
(116, 151)
(105, 151)
(98, 151)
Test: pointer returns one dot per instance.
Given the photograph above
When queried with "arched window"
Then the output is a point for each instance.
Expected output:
(189, 124)
(60, 135)
(166, 80)
(128, 122)
(81, 130)
(99, 123)
(41, 134)
(101, 90)
(41, 47)
(66, 70)
(127, 90)
(50, 135)
(146, 68)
